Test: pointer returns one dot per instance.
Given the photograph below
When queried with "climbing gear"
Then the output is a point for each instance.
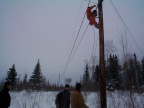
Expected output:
(97, 25)
(90, 23)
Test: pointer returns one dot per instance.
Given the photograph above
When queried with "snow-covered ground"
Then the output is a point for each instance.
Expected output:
(116, 99)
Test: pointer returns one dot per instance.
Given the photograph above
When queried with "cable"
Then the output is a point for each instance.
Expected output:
(126, 27)
(76, 23)
(79, 43)
(68, 61)
(73, 47)
(70, 58)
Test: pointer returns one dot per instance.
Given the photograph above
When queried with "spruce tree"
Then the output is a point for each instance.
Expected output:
(86, 77)
(125, 75)
(11, 75)
(36, 78)
(109, 71)
(143, 71)
(138, 72)
(113, 75)
(132, 73)
(96, 77)
(25, 84)
(117, 78)
(25, 79)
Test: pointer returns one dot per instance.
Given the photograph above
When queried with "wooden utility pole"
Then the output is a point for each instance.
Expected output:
(101, 55)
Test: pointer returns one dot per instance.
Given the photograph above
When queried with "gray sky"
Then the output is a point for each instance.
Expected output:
(43, 29)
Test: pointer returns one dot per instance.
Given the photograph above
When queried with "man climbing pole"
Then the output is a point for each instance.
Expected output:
(91, 16)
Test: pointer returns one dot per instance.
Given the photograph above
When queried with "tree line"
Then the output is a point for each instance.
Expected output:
(36, 82)
(128, 74)
(119, 76)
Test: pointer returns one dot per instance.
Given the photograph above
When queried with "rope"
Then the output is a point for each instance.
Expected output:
(89, 2)
(126, 28)
(93, 48)
(96, 46)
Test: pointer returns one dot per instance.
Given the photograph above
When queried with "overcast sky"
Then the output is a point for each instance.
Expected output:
(45, 30)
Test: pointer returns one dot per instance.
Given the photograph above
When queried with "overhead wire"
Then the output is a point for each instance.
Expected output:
(100, 19)
(76, 22)
(136, 45)
(73, 45)
(126, 27)
(79, 43)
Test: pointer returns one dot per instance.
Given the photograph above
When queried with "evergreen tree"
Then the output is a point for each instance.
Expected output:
(96, 78)
(109, 68)
(25, 79)
(109, 71)
(132, 73)
(86, 77)
(25, 84)
(11, 75)
(125, 76)
(113, 75)
(36, 78)
(138, 72)
(143, 71)
(117, 77)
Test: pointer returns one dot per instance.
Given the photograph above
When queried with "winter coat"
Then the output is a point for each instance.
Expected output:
(77, 100)
(5, 98)
(63, 99)
(90, 16)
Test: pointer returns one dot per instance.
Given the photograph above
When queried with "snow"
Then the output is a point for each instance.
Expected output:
(116, 99)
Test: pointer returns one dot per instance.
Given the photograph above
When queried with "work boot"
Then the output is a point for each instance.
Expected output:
(97, 25)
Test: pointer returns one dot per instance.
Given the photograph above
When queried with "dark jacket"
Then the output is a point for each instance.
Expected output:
(5, 98)
(77, 100)
(63, 99)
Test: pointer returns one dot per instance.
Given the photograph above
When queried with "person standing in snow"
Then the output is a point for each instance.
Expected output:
(5, 96)
(63, 98)
(76, 98)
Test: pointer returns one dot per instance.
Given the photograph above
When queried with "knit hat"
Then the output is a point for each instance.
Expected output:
(78, 86)
(8, 83)
(66, 86)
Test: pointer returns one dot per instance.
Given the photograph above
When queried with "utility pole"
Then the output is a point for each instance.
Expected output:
(101, 56)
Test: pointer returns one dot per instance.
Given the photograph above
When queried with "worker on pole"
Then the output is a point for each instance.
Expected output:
(91, 15)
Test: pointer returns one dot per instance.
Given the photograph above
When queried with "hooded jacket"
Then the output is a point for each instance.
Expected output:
(77, 100)
(5, 98)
